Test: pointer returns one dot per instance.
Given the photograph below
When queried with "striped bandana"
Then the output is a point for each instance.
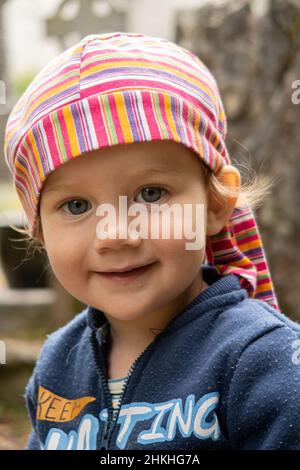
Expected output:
(121, 88)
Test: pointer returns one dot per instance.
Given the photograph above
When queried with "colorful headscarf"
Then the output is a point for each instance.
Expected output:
(120, 88)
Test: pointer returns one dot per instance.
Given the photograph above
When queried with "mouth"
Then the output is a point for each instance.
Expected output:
(127, 275)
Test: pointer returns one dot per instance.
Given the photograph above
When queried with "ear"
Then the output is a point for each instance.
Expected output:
(220, 207)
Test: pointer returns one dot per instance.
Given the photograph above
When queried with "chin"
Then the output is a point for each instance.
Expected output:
(127, 312)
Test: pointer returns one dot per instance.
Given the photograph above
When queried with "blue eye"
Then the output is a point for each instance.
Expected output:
(76, 206)
(152, 193)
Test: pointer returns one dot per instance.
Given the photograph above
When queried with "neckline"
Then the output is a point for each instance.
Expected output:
(121, 379)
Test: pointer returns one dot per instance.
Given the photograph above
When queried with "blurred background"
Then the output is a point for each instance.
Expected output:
(253, 49)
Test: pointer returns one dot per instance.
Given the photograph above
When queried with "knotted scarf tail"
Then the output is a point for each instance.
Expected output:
(238, 250)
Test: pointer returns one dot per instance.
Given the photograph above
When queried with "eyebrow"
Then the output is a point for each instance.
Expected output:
(72, 187)
(59, 188)
(166, 170)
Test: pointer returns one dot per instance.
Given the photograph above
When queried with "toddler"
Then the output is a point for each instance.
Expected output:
(181, 345)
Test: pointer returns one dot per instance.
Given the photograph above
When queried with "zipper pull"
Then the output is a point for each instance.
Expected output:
(104, 438)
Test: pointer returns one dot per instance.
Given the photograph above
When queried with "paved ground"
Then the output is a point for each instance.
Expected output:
(14, 430)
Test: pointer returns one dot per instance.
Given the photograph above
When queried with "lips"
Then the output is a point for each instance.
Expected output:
(127, 269)
(127, 275)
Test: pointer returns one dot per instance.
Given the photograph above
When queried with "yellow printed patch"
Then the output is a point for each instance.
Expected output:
(52, 407)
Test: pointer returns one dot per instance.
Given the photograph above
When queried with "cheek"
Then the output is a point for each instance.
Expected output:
(185, 221)
(174, 254)
(184, 235)
(67, 263)
(63, 263)
(65, 250)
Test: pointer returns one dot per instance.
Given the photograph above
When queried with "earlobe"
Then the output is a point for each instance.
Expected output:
(230, 177)
(220, 207)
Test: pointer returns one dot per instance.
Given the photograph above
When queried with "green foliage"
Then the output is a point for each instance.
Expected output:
(21, 82)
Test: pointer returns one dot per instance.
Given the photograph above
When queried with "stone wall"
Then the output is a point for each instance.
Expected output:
(255, 57)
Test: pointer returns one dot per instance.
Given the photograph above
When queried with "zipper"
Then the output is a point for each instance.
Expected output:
(104, 438)
(123, 391)
(97, 352)
(111, 421)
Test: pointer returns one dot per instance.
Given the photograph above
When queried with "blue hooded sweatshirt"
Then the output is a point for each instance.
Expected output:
(224, 374)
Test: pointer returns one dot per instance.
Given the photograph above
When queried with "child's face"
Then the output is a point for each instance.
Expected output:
(77, 255)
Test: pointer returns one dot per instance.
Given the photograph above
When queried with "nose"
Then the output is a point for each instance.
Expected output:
(115, 235)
